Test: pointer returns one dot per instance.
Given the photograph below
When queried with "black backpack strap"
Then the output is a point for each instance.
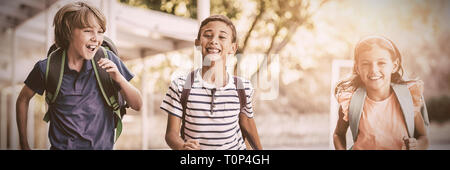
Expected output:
(242, 100)
(104, 81)
(241, 92)
(53, 76)
(109, 45)
(107, 87)
(183, 99)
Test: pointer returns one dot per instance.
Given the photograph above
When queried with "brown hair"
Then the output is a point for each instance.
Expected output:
(74, 15)
(367, 44)
(223, 19)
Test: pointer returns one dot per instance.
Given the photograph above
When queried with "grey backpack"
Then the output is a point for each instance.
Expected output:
(404, 98)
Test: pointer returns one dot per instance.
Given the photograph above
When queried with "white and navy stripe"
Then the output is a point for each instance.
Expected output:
(218, 129)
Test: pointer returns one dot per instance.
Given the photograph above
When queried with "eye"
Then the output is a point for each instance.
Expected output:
(364, 63)
(222, 37)
(207, 35)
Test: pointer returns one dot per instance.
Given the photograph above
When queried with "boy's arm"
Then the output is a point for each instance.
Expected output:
(131, 94)
(173, 137)
(340, 132)
(128, 91)
(22, 104)
(248, 128)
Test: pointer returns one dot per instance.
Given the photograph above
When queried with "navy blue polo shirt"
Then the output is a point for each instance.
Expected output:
(79, 118)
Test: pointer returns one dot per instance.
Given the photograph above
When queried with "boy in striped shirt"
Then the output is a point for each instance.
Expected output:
(213, 118)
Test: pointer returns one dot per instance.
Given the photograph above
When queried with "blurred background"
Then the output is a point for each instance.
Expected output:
(312, 42)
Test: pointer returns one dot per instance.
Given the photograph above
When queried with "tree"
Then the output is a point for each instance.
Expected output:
(286, 16)
(186, 8)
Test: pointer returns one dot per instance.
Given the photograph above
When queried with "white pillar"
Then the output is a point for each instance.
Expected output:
(203, 9)
(49, 15)
(108, 8)
(30, 122)
(144, 110)
(336, 67)
(4, 120)
(13, 130)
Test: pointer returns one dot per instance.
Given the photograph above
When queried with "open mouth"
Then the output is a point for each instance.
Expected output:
(374, 77)
(213, 50)
(91, 47)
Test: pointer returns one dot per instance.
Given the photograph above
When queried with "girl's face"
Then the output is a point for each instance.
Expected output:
(375, 67)
(86, 41)
(216, 41)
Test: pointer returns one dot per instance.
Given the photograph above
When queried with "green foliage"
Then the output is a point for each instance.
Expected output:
(229, 8)
(187, 8)
(184, 8)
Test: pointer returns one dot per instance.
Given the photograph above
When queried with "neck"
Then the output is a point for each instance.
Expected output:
(379, 94)
(216, 75)
(75, 62)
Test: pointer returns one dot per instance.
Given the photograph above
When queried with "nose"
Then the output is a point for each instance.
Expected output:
(214, 41)
(96, 37)
(374, 68)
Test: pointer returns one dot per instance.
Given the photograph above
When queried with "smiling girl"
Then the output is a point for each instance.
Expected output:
(383, 122)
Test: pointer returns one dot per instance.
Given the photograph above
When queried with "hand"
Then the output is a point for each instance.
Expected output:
(110, 68)
(191, 144)
(409, 143)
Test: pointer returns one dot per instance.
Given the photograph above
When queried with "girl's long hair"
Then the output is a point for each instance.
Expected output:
(364, 45)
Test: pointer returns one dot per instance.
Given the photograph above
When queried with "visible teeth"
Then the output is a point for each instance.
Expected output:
(210, 50)
(91, 47)
(374, 77)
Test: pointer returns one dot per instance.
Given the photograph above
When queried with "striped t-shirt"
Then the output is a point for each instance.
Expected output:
(218, 129)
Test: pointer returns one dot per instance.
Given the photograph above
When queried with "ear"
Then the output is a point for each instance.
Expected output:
(234, 47)
(355, 68)
(197, 42)
(396, 66)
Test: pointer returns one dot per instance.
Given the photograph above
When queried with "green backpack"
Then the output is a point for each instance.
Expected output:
(406, 104)
(54, 74)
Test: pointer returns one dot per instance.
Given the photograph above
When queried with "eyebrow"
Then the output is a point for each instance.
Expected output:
(210, 30)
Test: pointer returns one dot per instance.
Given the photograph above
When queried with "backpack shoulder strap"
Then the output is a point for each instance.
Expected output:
(53, 77)
(109, 45)
(104, 81)
(243, 103)
(107, 88)
(241, 92)
(183, 99)
(53, 74)
(406, 104)
(355, 110)
(424, 112)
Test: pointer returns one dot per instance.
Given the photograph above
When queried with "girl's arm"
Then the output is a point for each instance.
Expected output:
(420, 132)
(22, 104)
(130, 93)
(249, 131)
(340, 132)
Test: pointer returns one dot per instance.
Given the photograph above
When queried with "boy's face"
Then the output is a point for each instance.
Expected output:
(86, 41)
(216, 41)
